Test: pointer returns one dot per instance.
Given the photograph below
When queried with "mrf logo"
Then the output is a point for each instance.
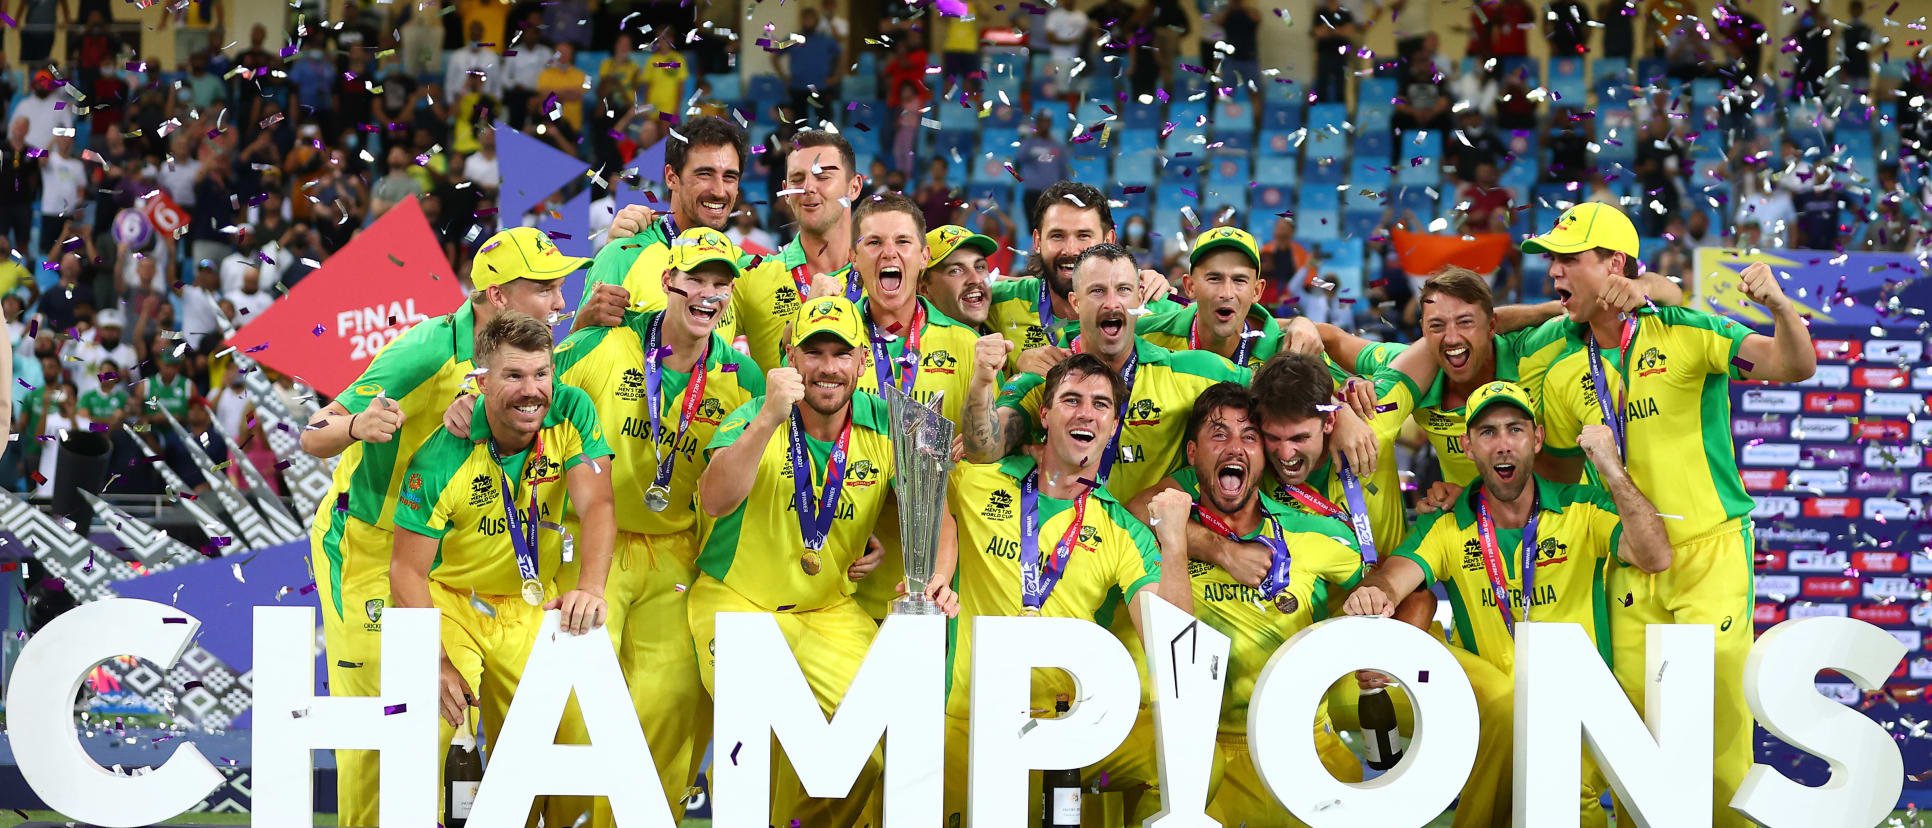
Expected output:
(1652, 362)
(482, 490)
(939, 362)
(862, 473)
(1143, 412)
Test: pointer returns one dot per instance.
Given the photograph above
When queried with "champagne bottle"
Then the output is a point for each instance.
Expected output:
(462, 772)
(1060, 791)
(1377, 714)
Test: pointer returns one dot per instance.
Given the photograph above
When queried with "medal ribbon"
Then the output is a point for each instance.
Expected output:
(1037, 581)
(654, 396)
(1278, 566)
(1243, 344)
(802, 277)
(1358, 516)
(1493, 559)
(1127, 373)
(816, 523)
(1613, 413)
(524, 535)
(1047, 322)
(882, 365)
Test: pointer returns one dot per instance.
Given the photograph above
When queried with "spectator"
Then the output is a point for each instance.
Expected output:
(15, 279)
(1066, 33)
(960, 50)
(937, 198)
(96, 350)
(1619, 28)
(43, 111)
(71, 296)
(1516, 108)
(1569, 148)
(214, 207)
(1742, 30)
(521, 73)
(622, 64)
(833, 23)
(1566, 24)
(1818, 213)
(38, 20)
(250, 299)
(476, 111)
(1857, 46)
(63, 183)
(205, 87)
(481, 167)
(104, 406)
(745, 232)
(1489, 202)
(905, 128)
(19, 184)
(1424, 103)
(907, 68)
(200, 307)
(664, 78)
(486, 21)
(1170, 26)
(60, 417)
(314, 79)
(1241, 28)
(1335, 32)
(1510, 23)
(564, 80)
(567, 21)
(1766, 210)
(395, 185)
(89, 49)
(474, 61)
(1813, 43)
(1282, 261)
(1697, 230)
(1476, 144)
(1043, 160)
(422, 42)
(809, 68)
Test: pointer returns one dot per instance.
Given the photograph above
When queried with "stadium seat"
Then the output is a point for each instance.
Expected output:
(990, 167)
(1126, 204)
(1277, 170)
(1368, 174)
(952, 145)
(1341, 263)
(1231, 141)
(1271, 199)
(767, 89)
(1374, 116)
(1617, 135)
(954, 116)
(1282, 115)
(1089, 170)
(997, 192)
(1229, 171)
(1185, 170)
(1421, 201)
(1607, 67)
(1139, 115)
(1318, 224)
(1281, 90)
(1190, 121)
(1373, 147)
(1279, 142)
(1567, 84)
(1325, 175)
(1001, 140)
(1135, 169)
(1132, 141)
(1424, 145)
(1093, 112)
(1374, 90)
(1360, 223)
(726, 87)
(1233, 115)
(1005, 116)
(1521, 175)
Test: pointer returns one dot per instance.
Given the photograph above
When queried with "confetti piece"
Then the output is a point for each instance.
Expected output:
(393, 709)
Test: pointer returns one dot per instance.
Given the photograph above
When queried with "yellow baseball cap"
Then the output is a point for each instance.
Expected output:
(521, 253)
(700, 246)
(831, 315)
(1220, 237)
(1499, 393)
(943, 240)
(1587, 226)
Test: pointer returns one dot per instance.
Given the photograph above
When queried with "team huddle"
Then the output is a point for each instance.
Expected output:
(710, 438)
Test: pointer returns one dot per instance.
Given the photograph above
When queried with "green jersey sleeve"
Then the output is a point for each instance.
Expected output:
(427, 500)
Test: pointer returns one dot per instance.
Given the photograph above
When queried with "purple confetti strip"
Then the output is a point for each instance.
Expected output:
(393, 709)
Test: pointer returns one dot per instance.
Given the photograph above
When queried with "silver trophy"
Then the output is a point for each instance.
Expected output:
(922, 453)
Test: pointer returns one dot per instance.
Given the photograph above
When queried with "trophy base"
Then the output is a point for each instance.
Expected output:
(915, 606)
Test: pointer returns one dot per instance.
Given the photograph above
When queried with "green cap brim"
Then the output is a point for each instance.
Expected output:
(1201, 251)
(1542, 244)
(1497, 400)
(729, 262)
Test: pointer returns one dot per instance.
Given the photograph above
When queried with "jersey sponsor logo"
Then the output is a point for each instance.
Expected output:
(1823, 610)
(1831, 507)
(1895, 588)
(1774, 400)
(482, 490)
(1776, 507)
(1763, 480)
(1894, 614)
(1881, 481)
(1886, 431)
(862, 473)
(1757, 427)
(1829, 456)
(1879, 377)
(1879, 561)
(1771, 454)
(1820, 428)
(1652, 362)
(1845, 350)
(1824, 481)
(999, 505)
(1143, 412)
(1895, 403)
(1780, 586)
(415, 482)
(732, 424)
(1894, 457)
(1894, 350)
(1817, 560)
(1830, 587)
(630, 385)
(1831, 402)
(1828, 376)
(938, 362)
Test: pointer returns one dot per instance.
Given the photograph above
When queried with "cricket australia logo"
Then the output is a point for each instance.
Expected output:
(630, 385)
(1089, 536)
(1652, 362)
(1143, 412)
(999, 506)
(482, 490)
(373, 610)
(863, 473)
(710, 411)
(939, 362)
(1551, 551)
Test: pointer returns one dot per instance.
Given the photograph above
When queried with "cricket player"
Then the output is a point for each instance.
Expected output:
(956, 280)
(822, 185)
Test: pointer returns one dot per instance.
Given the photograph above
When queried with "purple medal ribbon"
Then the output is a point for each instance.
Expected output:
(654, 396)
(1047, 322)
(882, 363)
(1036, 580)
(523, 534)
(1279, 562)
(815, 524)
(1357, 509)
(1493, 559)
(1613, 412)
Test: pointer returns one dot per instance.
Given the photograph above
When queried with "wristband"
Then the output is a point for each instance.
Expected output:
(352, 424)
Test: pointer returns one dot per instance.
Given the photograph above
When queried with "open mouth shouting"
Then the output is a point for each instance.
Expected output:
(891, 279)
(1505, 472)
(1294, 471)
(975, 296)
(705, 311)
(1083, 437)
(1112, 324)
(1456, 356)
(1231, 480)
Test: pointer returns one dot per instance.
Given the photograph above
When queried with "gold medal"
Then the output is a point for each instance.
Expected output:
(1030, 612)
(1285, 601)
(809, 561)
(532, 592)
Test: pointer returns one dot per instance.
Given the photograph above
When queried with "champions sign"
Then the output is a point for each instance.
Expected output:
(1566, 701)
(391, 276)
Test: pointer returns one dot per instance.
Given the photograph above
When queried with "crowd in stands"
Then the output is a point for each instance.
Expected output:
(282, 145)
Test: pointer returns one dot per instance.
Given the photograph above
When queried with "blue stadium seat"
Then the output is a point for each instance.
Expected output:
(1282, 115)
(1360, 223)
(726, 87)
(1089, 170)
(1368, 175)
(1099, 85)
(1373, 147)
(1137, 203)
(766, 89)
(1521, 143)
(1324, 114)
(1186, 170)
(1279, 142)
(1140, 115)
(1189, 120)
(1231, 141)
(1372, 116)
(1617, 135)
(1520, 176)
(954, 116)
(1374, 90)
(1429, 148)
(1228, 171)
(1136, 169)
(1567, 84)
(1527, 67)
(1324, 175)
(1272, 199)
(1419, 200)
(1011, 116)
(1091, 111)
(864, 142)
(1651, 68)
(1609, 68)
(1233, 116)
(1277, 170)
(1000, 140)
(1318, 223)
(998, 192)
(1134, 141)
(1282, 89)
(590, 61)
(1536, 278)
(952, 145)
(990, 167)
(1342, 261)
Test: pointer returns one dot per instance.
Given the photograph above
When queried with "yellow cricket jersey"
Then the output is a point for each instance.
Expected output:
(421, 371)
(1174, 329)
(766, 297)
(1382, 491)
(1576, 536)
(608, 364)
(1166, 384)
(637, 264)
(1114, 551)
(1522, 357)
(1014, 313)
(1322, 562)
(1677, 412)
(945, 359)
(454, 492)
(756, 549)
